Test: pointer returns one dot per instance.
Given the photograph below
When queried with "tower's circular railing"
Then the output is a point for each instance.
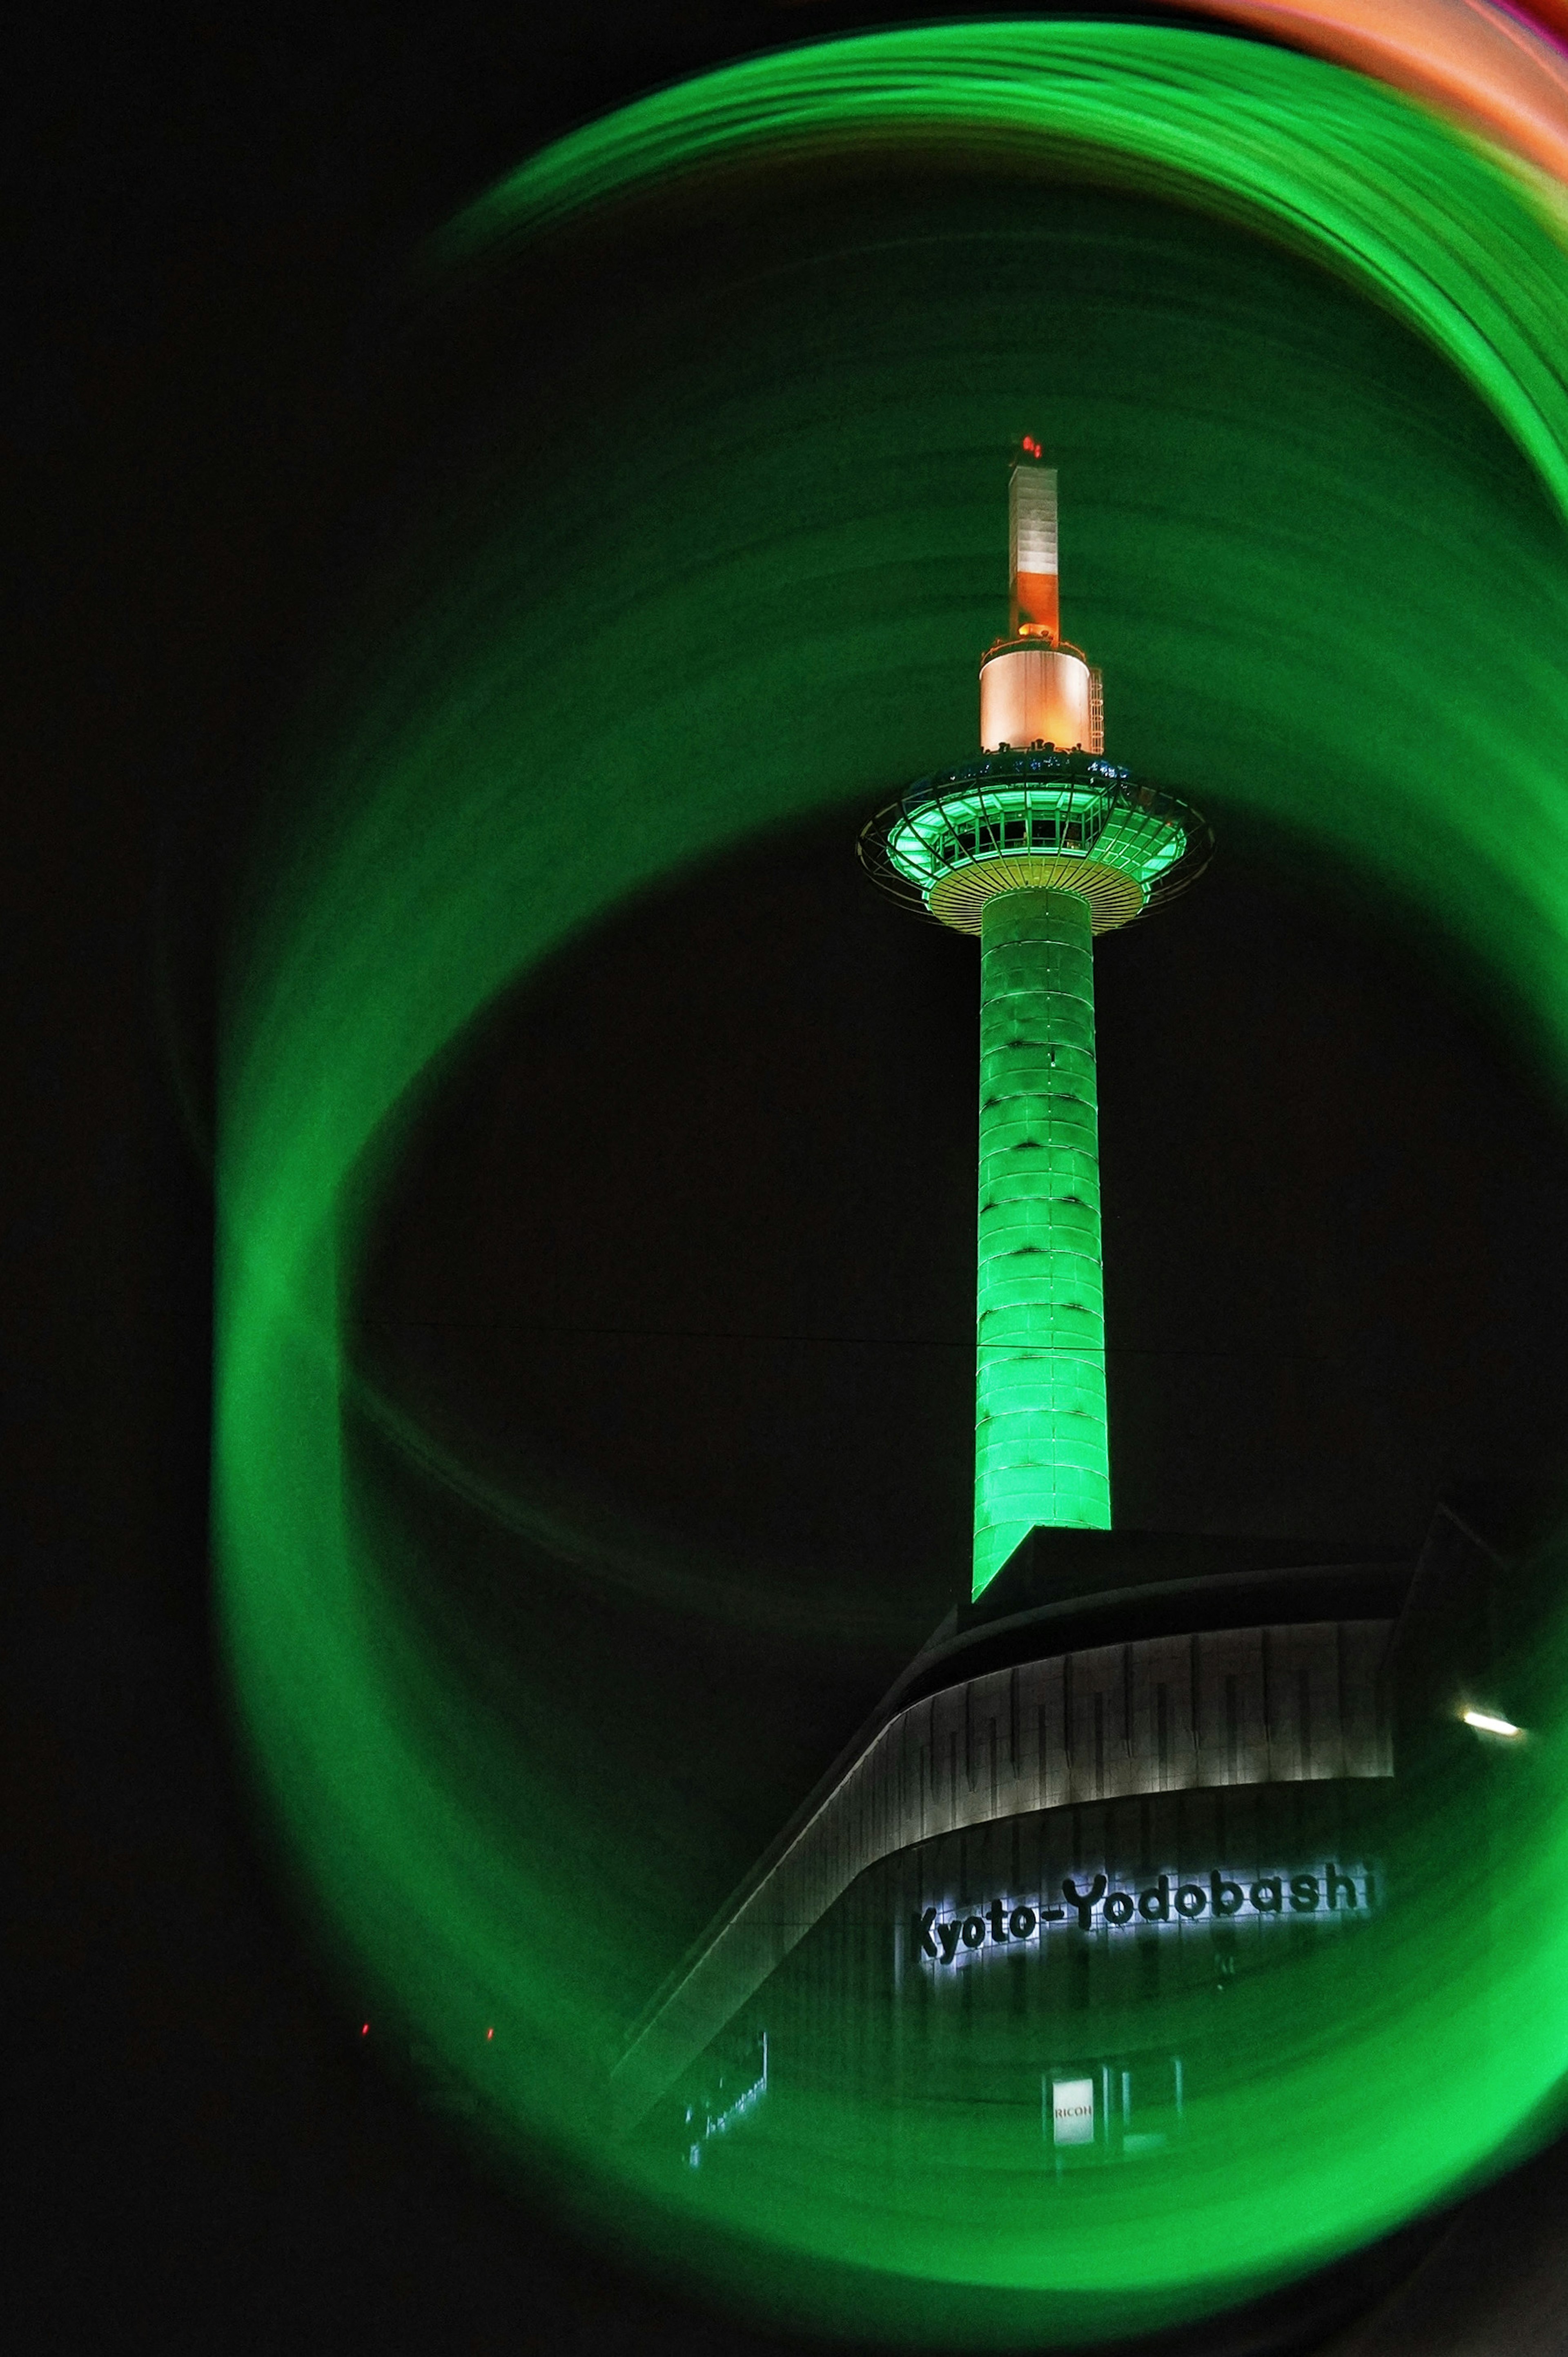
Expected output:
(1031, 821)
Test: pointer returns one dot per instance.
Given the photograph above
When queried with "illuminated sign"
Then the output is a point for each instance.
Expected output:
(1093, 1904)
(1115, 2107)
(1072, 2110)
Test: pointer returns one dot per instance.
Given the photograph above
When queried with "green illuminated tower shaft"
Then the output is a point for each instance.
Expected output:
(1042, 1452)
(1036, 847)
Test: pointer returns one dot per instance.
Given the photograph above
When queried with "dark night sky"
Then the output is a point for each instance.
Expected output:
(1363, 1183)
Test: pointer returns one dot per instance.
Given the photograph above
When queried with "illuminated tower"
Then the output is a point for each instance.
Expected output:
(1036, 847)
(1117, 1736)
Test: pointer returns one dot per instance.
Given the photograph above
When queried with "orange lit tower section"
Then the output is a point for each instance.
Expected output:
(1035, 689)
(1036, 847)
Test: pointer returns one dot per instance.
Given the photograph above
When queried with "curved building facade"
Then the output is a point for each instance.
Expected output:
(1189, 1746)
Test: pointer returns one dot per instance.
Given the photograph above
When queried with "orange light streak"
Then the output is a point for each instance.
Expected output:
(1493, 69)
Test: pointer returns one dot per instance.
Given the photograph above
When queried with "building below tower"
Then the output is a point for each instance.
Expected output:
(1135, 1772)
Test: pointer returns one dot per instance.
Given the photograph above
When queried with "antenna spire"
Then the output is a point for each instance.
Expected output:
(1032, 530)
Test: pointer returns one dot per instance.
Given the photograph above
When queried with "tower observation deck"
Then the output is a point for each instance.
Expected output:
(1036, 846)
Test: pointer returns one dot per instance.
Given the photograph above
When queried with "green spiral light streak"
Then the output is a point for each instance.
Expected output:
(467, 823)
